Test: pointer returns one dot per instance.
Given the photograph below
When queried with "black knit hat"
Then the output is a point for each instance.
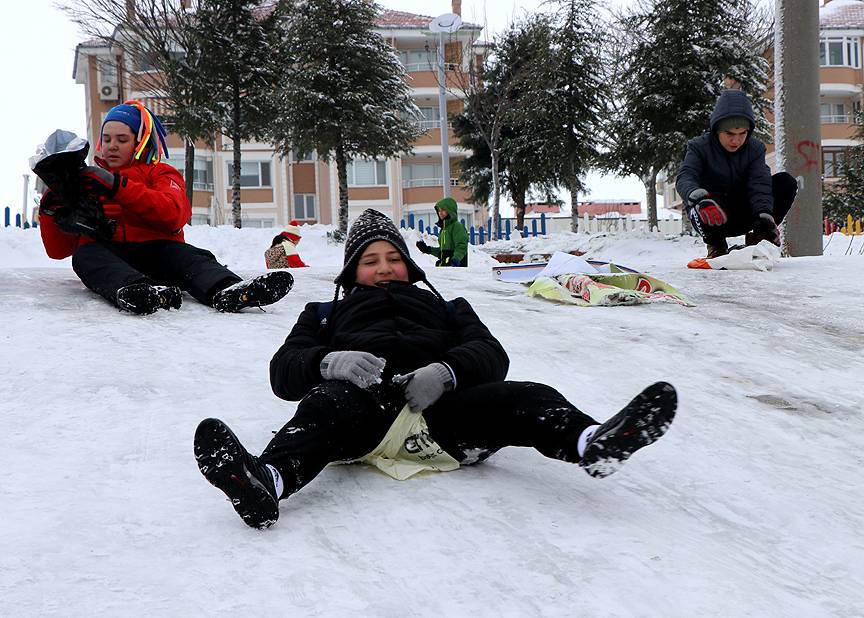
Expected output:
(370, 226)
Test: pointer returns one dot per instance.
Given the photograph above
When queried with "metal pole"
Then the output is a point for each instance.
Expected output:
(442, 111)
(797, 129)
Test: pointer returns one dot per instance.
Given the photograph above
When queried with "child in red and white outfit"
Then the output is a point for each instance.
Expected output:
(283, 250)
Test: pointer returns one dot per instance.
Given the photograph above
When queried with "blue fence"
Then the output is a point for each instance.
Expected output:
(7, 220)
(482, 234)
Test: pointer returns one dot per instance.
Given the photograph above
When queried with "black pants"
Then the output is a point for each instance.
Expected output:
(338, 421)
(107, 267)
(740, 216)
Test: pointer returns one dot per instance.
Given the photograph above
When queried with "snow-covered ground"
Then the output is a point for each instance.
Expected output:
(750, 506)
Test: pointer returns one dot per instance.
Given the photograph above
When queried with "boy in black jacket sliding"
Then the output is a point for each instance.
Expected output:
(727, 187)
(354, 363)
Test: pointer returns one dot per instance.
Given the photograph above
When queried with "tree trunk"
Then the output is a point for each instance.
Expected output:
(650, 182)
(235, 137)
(518, 196)
(574, 206)
(496, 195)
(189, 169)
(342, 175)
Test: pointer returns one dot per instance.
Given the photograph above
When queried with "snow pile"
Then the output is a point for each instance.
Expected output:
(749, 506)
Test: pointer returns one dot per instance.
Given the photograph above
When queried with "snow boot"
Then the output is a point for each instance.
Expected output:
(716, 248)
(262, 290)
(642, 422)
(229, 467)
(143, 298)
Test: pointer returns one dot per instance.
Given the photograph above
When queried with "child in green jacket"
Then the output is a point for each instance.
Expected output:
(452, 249)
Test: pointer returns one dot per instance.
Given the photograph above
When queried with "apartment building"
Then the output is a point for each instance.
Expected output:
(274, 189)
(841, 24)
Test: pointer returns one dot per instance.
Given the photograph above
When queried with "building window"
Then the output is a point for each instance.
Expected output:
(300, 157)
(202, 173)
(253, 174)
(304, 206)
(200, 220)
(832, 162)
(421, 175)
(257, 222)
(840, 52)
(367, 173)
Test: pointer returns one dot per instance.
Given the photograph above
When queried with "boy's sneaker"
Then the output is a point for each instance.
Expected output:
(228, 466)
(143, 298)
(640, 423)
(262, 290)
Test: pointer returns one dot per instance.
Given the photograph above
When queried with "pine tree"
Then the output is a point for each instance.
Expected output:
(343, 94)
(519, 52)
(564, 112)
(672, 63)
(240, 42)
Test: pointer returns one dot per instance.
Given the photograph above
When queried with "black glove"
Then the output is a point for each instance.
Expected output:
(98, 181)
(765, 226)
(423, 247)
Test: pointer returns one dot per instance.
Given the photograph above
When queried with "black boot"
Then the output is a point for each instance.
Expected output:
(228, 466)
(143, 298)
(716, 248)
(642, 422)
(262, 290)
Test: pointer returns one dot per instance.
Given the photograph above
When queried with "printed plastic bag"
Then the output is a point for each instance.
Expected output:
(408, 449)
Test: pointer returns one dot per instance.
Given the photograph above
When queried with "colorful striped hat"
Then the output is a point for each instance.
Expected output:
(150, 134)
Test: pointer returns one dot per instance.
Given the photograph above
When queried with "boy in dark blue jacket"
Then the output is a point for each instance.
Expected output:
(355, 362)
(727, 187)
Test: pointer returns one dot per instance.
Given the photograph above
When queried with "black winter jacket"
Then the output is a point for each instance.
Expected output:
(738, 179)
(406, 325)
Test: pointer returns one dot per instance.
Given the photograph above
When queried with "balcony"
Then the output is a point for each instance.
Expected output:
(428, 125)
(416, 67)
(427, 182)
(836, 119)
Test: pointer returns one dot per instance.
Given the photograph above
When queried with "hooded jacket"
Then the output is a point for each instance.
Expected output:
(150, 204)
(453, 239)
(737, 180)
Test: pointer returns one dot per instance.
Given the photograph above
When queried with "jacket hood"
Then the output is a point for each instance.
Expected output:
(732, 103)
(448, 204)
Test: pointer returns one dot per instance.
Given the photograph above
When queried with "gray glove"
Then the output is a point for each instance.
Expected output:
(360, 368)
(425, 386)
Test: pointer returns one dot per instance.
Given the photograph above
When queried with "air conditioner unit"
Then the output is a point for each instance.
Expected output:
(108, 93)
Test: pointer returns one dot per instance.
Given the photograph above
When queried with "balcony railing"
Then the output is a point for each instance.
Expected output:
(412, 67)
(427, 182)
(426, 125)
(836, 119)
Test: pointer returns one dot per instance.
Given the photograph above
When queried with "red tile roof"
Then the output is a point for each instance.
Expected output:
(401, 19)
(842, 14)
(388, 18)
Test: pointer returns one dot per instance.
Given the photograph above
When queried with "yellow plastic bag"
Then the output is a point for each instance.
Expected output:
(408, 449)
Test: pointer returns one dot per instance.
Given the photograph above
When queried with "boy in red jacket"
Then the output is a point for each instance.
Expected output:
(146, 263)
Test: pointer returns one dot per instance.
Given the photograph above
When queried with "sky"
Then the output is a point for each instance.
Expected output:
(37, 56)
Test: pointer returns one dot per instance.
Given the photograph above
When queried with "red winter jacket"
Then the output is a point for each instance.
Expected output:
(150, 204)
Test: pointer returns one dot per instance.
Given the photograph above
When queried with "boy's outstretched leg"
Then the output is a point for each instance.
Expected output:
(642, 422)
(249, 485)
(262, 290)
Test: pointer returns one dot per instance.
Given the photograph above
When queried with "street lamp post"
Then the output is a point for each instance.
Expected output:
(447, 23)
